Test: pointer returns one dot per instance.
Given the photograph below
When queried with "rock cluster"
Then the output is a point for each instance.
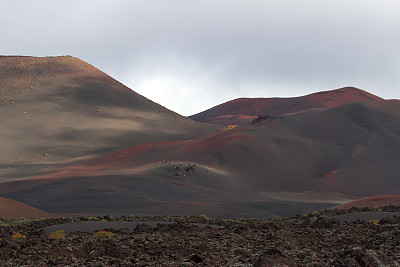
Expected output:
(179, 171)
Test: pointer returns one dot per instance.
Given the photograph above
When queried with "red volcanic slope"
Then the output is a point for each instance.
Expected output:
(371, 202)
(231, 119)
(347, 151)
(333, 150)
(243, 110)
(11, 209)
(66, 109)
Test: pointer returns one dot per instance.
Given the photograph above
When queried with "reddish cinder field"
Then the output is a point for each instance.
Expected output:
(11, 210)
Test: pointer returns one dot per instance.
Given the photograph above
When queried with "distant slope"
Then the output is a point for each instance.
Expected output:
(11, 209)
(243, 110)
(289, 165)
(55, 110)
(350, 149)
(371, 202)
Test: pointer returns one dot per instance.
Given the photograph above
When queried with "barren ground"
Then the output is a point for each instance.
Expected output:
(304, 240)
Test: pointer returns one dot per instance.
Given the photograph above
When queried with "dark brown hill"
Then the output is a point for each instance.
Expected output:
(243, 110)
(288, 165)
(55, 110)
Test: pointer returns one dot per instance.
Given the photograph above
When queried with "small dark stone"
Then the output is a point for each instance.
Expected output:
(196, 258)
(272, 251)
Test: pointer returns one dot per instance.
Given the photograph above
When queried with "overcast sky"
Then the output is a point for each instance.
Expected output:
(191, 55)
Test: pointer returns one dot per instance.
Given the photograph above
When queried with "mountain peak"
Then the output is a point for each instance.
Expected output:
(350, 91)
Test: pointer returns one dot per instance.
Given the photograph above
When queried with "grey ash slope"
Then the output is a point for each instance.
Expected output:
(66, 109)
(293, 164)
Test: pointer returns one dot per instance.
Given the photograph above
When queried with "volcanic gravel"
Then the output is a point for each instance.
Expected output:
(304, 240)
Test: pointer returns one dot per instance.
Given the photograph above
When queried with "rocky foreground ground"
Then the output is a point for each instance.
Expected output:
(304, 240)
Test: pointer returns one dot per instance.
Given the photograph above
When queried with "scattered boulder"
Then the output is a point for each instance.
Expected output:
(274, 257)
(190, 168)
(196, 258)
